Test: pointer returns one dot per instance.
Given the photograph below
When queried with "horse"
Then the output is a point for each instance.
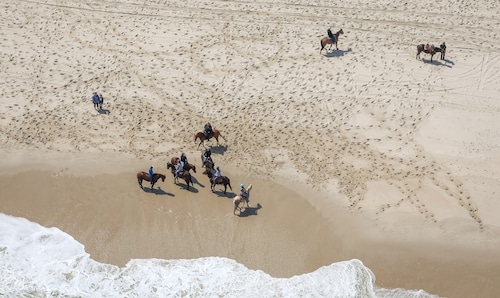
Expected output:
(187, 167)
(432, 51)
(207, 163)
(327, 40)
(145, 176)
(200, 135)
(182, 174)
(224, 180)
(239, 200)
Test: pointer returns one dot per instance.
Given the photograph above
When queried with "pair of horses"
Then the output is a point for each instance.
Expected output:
(175, 160)
(184, 174)
(431, 50)
(331, 41)
(238, 200)
(145, 176)
(200, 135)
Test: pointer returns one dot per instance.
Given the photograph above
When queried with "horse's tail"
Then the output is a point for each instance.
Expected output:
(322, 46)
(195, 137)
(222, 136)
(229, 183)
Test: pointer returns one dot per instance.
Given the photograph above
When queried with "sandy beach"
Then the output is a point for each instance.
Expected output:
(364, 152)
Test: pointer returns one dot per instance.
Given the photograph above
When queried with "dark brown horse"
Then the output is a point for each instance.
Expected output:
(431, 50)
(145, 176)
(182, 174)
(200, 135)
(327, 40)
(224, 180)
(187, 167)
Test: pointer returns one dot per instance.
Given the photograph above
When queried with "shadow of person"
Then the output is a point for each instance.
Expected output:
(248, 211)
(103, 111)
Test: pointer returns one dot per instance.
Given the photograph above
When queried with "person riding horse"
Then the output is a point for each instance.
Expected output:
(330, 34)
(207, 156)
(151, 173)
(243, 192)
(208, 131)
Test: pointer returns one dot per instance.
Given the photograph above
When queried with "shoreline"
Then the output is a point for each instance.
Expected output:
(116, 221)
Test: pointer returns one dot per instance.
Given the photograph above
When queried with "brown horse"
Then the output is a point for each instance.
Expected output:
(239, 200)
(327, 40)
(200, 135)
(182, 174)
(187, 167)
(145, 176)
(224, 180)
(432, 50)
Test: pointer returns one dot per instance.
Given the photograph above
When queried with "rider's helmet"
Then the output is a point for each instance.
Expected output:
(242, 185)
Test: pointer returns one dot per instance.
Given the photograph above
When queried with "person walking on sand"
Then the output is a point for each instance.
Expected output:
(150, 172)
(101, 101)
(95, 100)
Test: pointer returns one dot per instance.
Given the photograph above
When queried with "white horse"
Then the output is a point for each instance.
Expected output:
(239, 200)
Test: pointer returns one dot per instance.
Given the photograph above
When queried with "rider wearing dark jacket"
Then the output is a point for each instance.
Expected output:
(208, 130)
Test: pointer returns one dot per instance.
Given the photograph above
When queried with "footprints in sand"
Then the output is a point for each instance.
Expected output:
(254, 72)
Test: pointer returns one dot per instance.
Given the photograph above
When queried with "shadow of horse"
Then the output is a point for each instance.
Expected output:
(220, 149)
(447, 63)
(248, 211)
(337, 53)
(103, 111)
(157, 191)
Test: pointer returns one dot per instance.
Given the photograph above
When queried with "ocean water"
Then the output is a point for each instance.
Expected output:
(36, 261)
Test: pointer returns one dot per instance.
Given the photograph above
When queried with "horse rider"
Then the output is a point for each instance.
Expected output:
(178, 169)
(207, 156)
(443, 50)
(184, 159)
(208, 130)
(150, 172)
(330, 34)
(428, 47)
(217, 175)
(243, 192)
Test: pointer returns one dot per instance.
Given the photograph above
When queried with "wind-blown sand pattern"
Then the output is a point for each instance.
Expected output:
(410, 149)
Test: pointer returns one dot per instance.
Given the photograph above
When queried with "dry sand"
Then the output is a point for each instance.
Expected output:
(365, 152)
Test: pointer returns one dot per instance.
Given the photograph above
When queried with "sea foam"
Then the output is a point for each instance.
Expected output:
(36, 261)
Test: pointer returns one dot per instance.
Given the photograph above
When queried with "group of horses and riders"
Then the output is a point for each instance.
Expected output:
(180, 168)
(333, 38)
